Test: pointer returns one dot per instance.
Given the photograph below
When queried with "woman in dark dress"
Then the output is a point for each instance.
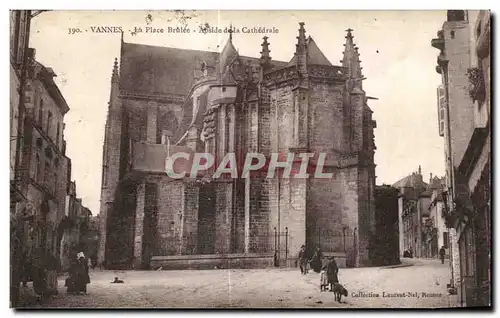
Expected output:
(332, 271)
(39, 272)
(316, 260)
(82, 275)
(78, 276)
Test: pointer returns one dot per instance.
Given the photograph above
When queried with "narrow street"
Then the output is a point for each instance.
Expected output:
(272, 288)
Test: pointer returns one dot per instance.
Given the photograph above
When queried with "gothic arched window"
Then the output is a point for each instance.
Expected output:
(166, 121)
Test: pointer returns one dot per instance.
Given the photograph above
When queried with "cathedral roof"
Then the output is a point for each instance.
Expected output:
(315, 56)
(155, 69)
(166, 70)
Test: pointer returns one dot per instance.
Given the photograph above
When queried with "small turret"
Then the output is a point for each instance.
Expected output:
(227, 57)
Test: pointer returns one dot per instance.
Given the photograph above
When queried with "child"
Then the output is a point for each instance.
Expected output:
(324, 279)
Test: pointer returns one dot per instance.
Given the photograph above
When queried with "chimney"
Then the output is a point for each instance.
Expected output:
(430, 180)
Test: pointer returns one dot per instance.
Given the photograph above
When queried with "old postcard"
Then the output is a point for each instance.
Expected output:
(250, 159)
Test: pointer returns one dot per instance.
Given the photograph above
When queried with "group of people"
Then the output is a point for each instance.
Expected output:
(329, 270)
(79, 277)
(41, 268)
(442, 253)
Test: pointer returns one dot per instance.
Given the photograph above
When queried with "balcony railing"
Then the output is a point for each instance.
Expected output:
(151, 158)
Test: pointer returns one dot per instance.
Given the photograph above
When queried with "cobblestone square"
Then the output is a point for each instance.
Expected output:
(271, 288)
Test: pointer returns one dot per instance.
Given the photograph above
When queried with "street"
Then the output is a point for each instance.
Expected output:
(262, 288)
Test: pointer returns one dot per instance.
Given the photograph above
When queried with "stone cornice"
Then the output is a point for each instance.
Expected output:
(158, 97)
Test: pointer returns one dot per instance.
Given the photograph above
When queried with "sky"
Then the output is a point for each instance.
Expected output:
(397, 59)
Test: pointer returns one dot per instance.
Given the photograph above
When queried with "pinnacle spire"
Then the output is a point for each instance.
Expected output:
(230, 32)
(351, 57)
(302, 34)
(114, 76)
(265, 58)
(301, 50)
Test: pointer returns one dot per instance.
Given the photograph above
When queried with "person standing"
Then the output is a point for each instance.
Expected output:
(303, 260)
(39, 272)
(82, 274)
(442, 253)
(332, 271)
(316, 260)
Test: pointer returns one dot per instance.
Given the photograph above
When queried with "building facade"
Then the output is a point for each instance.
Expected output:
(417, 226)
(413, 204)
(440, 236)
(46, 171)
(19, 40)
(165, 100)
(464, 64)
(39, 168)
(76, 222)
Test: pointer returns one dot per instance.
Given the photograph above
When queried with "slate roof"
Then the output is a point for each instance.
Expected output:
(411, 181)
(315, 56)
(155, 69)
(166, 70)
(436, 183)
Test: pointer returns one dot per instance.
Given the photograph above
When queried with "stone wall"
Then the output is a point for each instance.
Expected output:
(265, 135)
(282, 122)
(350, 216)
(223, 217)
(324, 213)
(139, 225)
(325, 119)
(111, 170)
(365, 216)
(238, 240)
(206, 220)
(190, 218)
(170, 207)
